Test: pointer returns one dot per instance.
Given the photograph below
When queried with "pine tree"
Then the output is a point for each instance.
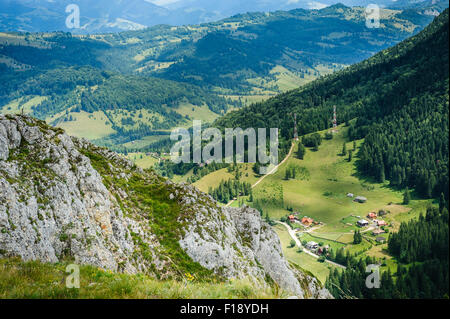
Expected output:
(301, 151)
(441, 202)
(381, 176)
(287, 174)
(344, 149)
(256, 167)
(406, 197)
(350, 155)
(357, 237)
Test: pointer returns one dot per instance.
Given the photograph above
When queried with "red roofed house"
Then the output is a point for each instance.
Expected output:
(372, 215)
(381, 223)
(291, 218)
(307, 221)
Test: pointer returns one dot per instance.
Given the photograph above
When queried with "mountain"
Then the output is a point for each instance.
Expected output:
(117, 15)
(302, 42)
(397, 100)
(63, 198)
(127, 90)
(95, 16)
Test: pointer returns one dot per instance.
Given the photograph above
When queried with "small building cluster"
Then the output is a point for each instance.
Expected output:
(375, 218)
(311, 245)
(316, 248)
(305, 221)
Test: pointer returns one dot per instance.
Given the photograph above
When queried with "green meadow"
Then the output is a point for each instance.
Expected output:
(319, 190)
(323, 195)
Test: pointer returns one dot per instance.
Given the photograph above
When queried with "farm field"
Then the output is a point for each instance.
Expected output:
(194, 112)
(87, 125)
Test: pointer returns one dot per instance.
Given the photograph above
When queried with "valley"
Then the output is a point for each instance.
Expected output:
(348, 195)
(362, 121)
(320, 192)
(128, 86)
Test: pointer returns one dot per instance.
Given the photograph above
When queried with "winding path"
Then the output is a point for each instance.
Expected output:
(289, 229)
(271, 172)
(299, 244)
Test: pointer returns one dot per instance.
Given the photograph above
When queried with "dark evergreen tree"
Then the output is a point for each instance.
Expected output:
(406, 197)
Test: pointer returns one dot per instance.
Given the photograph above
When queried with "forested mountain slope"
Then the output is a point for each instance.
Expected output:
(124, 87)
(400, 100)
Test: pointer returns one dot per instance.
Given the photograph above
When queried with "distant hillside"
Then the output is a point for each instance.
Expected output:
(101, 16)
(120, 88)
(255, 53)
(400, 100)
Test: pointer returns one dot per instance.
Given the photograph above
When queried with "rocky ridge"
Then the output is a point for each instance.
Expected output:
(64, 198)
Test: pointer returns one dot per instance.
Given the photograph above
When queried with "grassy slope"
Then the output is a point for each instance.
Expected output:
(213, 179)
(40, 280)
(322, 196)
(142, 160)
(87, 125)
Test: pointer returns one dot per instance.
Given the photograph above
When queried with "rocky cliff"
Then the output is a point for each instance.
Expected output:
(64, 198)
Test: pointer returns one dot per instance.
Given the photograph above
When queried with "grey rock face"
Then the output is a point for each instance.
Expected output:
(54, 204)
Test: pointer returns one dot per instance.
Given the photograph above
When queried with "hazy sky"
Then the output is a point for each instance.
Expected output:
(162, 2)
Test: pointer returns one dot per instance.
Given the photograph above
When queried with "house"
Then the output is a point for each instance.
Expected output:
(350, 195)
(380, 239)
(362, 223)
(372, 215)
(382, 213)
(381, 223)
(307, 221)
(378, 232)
(291, 218)
(312, 245)
(360, 199)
